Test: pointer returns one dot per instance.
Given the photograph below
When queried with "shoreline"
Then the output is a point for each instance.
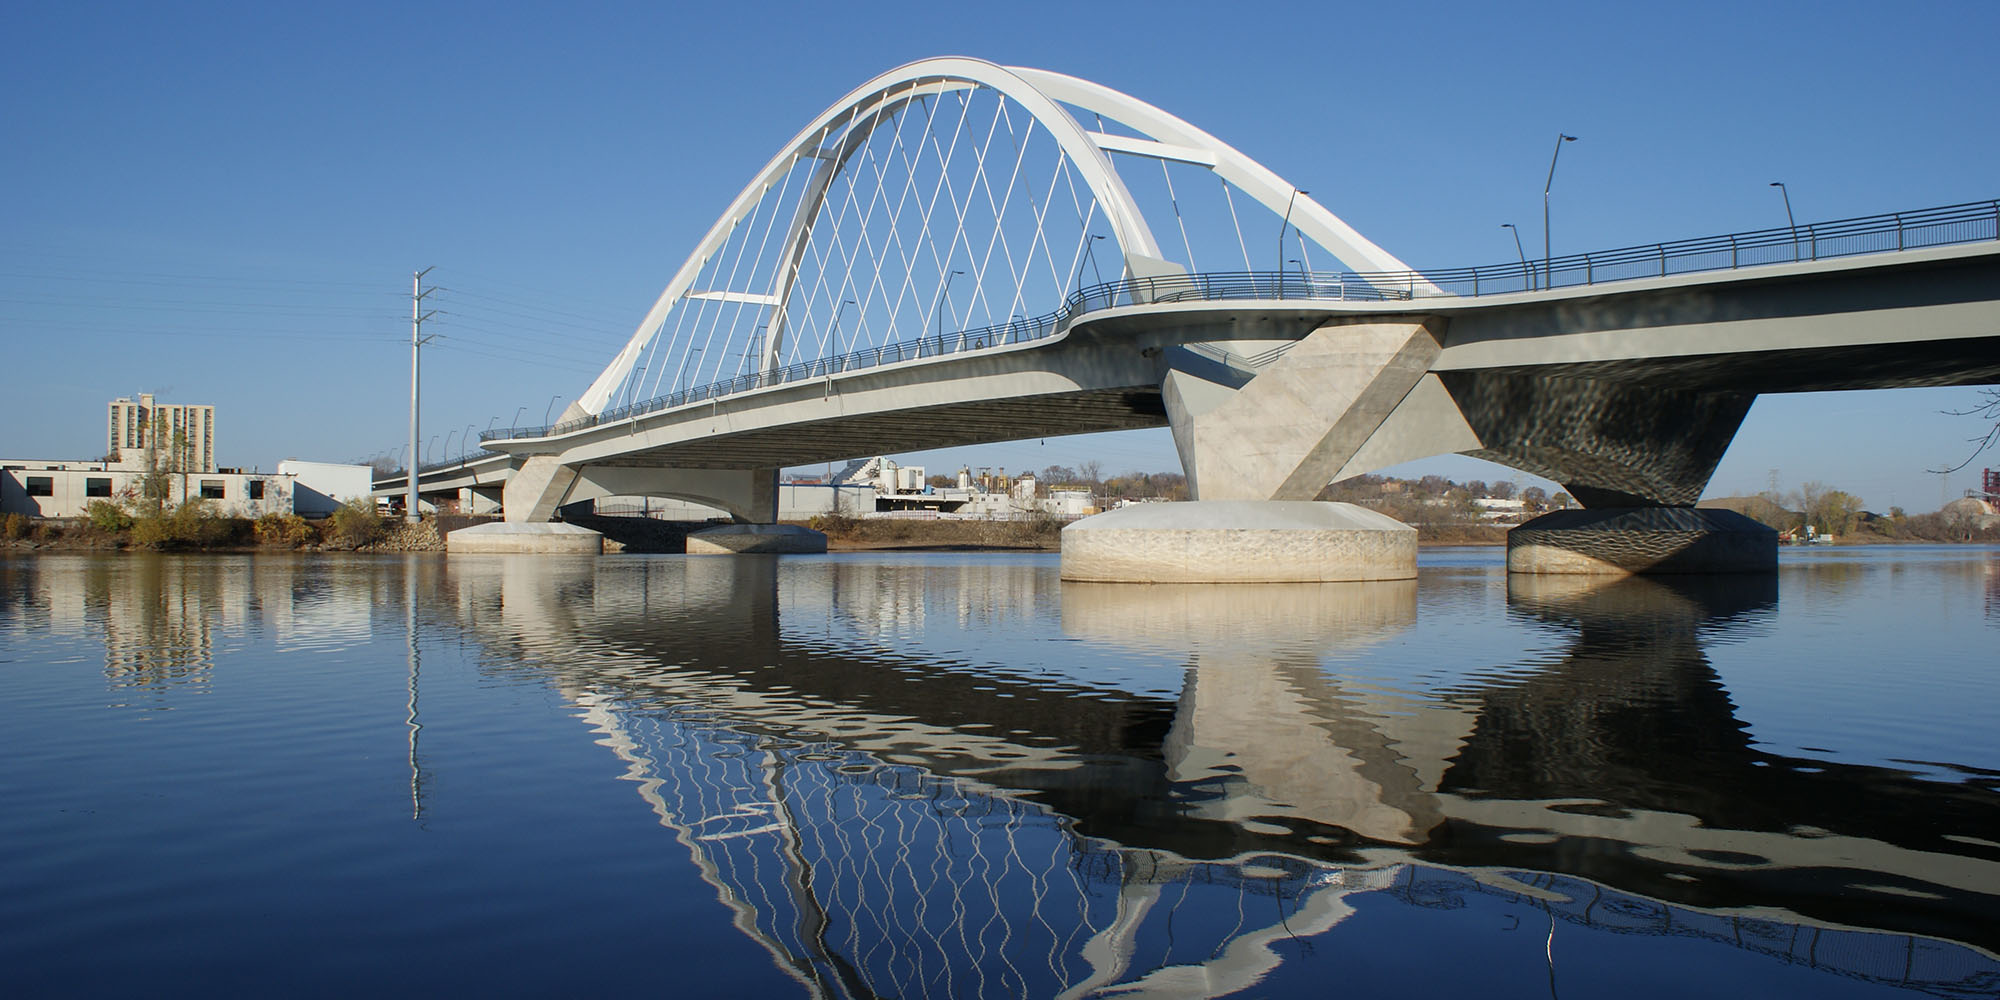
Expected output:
(641, 535)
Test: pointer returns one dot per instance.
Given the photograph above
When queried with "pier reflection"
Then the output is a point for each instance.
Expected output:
(908, 776)
(845, 777)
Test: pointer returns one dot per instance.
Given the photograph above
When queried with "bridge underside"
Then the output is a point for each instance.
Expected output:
(912, 429)
(1628, 397)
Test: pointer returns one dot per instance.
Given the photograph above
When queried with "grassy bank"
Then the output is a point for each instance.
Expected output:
(195, 526)
(850, 533)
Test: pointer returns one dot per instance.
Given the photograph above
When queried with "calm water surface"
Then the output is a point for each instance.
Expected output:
(953, 775)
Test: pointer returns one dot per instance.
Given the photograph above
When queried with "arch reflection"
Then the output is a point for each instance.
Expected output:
(889, 812)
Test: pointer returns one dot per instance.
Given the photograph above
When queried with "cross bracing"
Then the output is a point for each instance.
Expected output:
(953, 195)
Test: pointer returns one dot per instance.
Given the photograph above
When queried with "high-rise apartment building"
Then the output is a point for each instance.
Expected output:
(181, 436)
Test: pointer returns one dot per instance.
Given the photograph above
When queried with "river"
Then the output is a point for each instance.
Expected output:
(951, 774)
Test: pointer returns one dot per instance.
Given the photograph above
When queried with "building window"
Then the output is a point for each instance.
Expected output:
(95, 487)
(211, 489)
(41, 486)
(256, 489)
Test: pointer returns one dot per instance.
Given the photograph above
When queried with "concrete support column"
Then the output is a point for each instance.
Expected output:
(1286, 432)
(1256, 453)
(1609, 442)
(533, 493)
(1622, 541)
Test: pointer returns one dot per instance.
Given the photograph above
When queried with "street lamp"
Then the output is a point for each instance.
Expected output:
(546, 410)
(1283, 227)
(1076, 280)
(1780, 185)
(517, 416)
(837, 313)
(447, 444)
(680, 378)
(427, 448)
(1304, 279)
(1526, 275)
(465, 442)
(937, 308)
(1560, 139)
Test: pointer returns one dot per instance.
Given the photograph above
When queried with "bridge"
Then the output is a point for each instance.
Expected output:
(872, 290)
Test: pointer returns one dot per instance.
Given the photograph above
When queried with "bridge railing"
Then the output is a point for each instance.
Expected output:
(468, 458)
(1966, 223)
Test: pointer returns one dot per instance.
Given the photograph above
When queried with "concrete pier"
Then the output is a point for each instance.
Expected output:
(1619, 541)
(503, 536)
(1239, 541)
(737, 539)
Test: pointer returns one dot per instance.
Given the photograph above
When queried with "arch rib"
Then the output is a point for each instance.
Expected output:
(1175, 139)
(874, 98)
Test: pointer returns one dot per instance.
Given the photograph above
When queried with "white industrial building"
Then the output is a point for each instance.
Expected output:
(179, 441)
(64, 489)
(322, 487)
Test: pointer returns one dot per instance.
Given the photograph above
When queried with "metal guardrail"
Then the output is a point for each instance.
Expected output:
(1970, 222)
(453, 463)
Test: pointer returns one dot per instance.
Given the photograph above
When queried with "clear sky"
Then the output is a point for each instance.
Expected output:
(223, 203)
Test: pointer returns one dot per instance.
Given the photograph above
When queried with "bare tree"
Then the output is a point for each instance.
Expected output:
(1987, 409)
(1091, 472)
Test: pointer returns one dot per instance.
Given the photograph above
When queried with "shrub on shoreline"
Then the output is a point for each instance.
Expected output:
(355, 524)
(285, 530)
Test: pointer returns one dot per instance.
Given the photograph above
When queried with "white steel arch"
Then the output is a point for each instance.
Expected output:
(1171, 138)
(834, 138)
(891, 89)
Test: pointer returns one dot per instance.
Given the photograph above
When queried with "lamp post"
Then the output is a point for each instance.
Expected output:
(755, 350)
(447, 444)
(1283, 227)
(465, 442)
(1526, 275)
(680, 378)
(517, 416)
(1076, 281)
(546, 410)
(1780, 185)
(937, 308)
(428, 445)
(837, 313)
(1560, 139)
(1304, 279)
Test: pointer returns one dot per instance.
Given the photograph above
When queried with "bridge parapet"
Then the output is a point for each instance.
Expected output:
(1886, 233)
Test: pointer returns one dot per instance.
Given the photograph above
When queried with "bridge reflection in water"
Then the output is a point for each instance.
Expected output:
(887, 817)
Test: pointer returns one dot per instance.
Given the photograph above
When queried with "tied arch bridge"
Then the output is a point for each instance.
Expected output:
(958, 253)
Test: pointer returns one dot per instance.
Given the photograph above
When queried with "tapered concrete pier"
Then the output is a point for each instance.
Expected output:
(1621, 541)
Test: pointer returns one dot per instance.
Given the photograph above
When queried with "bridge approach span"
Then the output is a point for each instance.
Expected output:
(1627, 394)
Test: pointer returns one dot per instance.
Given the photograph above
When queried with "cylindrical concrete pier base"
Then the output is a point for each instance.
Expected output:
(502, 536)
(1618, 541)
(737, 539)
(1239, 541)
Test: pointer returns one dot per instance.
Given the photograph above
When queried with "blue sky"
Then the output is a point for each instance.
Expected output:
(223, 203)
